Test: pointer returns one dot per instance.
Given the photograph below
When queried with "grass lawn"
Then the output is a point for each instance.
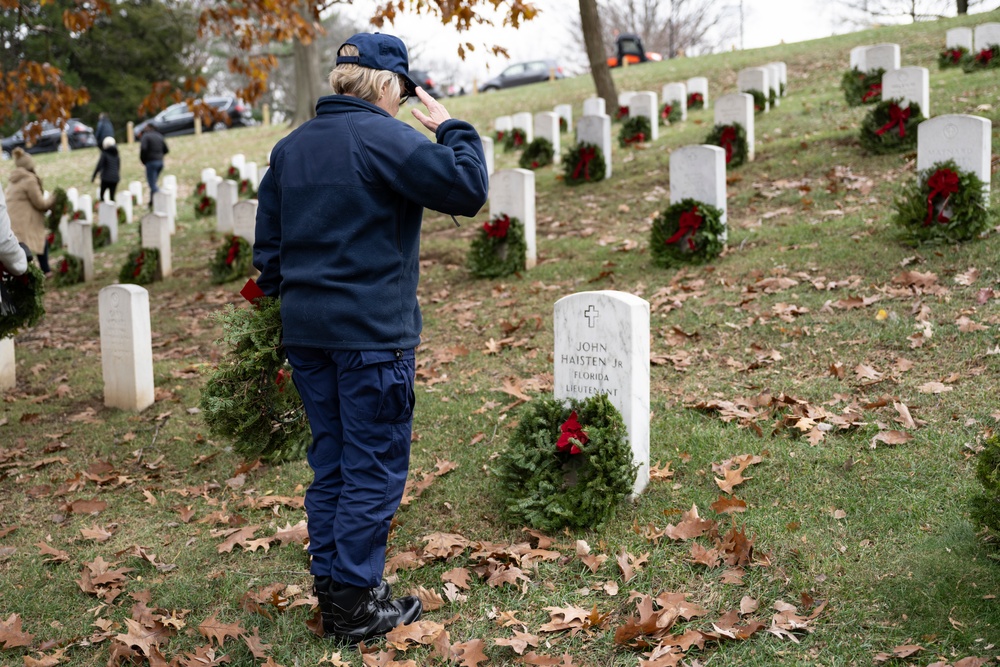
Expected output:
(139, 538)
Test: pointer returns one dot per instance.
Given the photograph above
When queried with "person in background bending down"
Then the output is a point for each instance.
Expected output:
(152, 149)
(337, 238)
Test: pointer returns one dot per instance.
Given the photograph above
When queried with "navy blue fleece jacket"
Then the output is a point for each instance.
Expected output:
(338, 221)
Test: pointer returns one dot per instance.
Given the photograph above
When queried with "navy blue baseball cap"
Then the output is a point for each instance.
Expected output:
(378, 51)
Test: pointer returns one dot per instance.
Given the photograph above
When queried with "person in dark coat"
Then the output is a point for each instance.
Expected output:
(152, 149)
(104, 128)
(337, 239)
(109, 167)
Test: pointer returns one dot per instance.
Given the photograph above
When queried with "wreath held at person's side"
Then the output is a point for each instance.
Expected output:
(635, 131)
(250, 398)
(60, 207)
(890, 127)
(688, 232)
(537, 154)
(21, 300)
(514, 139)
(952, 57)
(988, 58)
(696, 101)
(141, 267)
(670, 112)
(945, 203)
(232, 260)
(67, 270)
(733, 139)
(565, 466)
(583, 163)
(862, 87)
(499, 248)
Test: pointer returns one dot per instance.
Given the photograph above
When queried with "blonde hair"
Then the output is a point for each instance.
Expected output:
(362, 82)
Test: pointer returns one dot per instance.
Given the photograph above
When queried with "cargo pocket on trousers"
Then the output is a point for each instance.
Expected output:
(396, 384)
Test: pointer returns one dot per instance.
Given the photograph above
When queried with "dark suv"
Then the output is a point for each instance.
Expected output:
(78, 134)
(179, 119)
(520, 74)
(422, 78)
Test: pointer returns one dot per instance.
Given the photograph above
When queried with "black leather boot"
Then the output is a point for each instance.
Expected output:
(383, 591)
(355, 614)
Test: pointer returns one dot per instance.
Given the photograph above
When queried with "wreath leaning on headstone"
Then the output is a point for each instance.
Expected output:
(988, 58)
(696, 101)
(565, 466)
(68, 270)
(563, 125)
(952, 57)
(204, 207)
(759, 100)
(250, 398)
(232, 260)
(246, 190)
(890, 127)
(635, 131)
(514, 139)
(499, 248)
(688, 232)
(142, 267)
(733, 139)
(862, 87)
(101, 235)
(538, 154)
(670, 112)
(21, 300)
(583, 163)
(945, 203)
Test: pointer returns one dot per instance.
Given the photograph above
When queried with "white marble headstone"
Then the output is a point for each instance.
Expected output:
(263, 170)
(858, 58)
(592, 129)
(170, 182)
(699, 172)
(602, 347)
(207, 174)
(488, 153)
(240, 162)
(503, 124)
(625, 98)
(124, 201)
(547, 127)
(245, 219)
(126, 347)
(958, 37)
(676, 95)
(986, 35)
(737, 108)
(882, 56)
(755, 78)
(594, 106)
(73, 196)
(565, 111)
(251, 174)
(212, 186)
(8, 365)
(646, 104)
(154, 232)
(80, 243)
(699, 84)
(912, 84)
(524, 122)
(228, 195)
(135, 187)
(959, 137)
(782, 73)
(107, 215)
(161, 205)
(85, 204)
(512, 193)
(774, 82)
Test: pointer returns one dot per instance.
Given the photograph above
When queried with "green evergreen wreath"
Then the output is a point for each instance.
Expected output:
(22, 302)
(733, 139)
(233, 174)
(988, 58)
(670, 113)
(499, 248)
(891, 128)
(538, 154)
(101, 235)
(250, 398)
(696, 101)
(204, 207)
(141, 268)
(583, 163)
(60, 207)
(688, 232)
(514, 139)
(563, 125)
(120, 213)
(759, 100)
(781, 89)
(559, 472)
(200, 190)
(862, 87)
(246, 190)
(622, 113)
(232, 260)
(952, 57)
(985, 506)
(68, 270)
(54, 241)
(945, 203)
(635, 130)
(499, 136)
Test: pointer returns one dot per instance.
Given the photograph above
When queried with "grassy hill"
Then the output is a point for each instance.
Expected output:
(857, 322)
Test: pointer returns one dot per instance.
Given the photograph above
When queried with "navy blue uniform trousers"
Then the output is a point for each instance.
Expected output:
(360, 409)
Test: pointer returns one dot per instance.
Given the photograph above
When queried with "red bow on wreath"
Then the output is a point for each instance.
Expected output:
(695, 98)
(64, 266)
(234, 250)
(690, 222)
(636, 139)
(985, 56)
(897, 116)
(583, 163)
(942, 182)
(500, 135)
(665, 114)
(571, 430)
(139, 261)
(518, 138)
(955, 55)
(622, 112)
(726, 139)
(498, 228)
(874, 90)
(251, 292)
(280, 379)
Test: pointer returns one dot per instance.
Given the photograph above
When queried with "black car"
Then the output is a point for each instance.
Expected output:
(78, 135)
(520, 74)
(422, 78)
(179, 119)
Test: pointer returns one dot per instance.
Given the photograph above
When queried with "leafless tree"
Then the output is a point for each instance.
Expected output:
(869, 12)
(670, 27)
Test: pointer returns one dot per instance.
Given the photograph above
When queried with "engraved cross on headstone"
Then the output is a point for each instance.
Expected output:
(591, 314)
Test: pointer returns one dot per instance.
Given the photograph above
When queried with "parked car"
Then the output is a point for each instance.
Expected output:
(520, 74)
(422, 78)
(78, 134)
(179, 119)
